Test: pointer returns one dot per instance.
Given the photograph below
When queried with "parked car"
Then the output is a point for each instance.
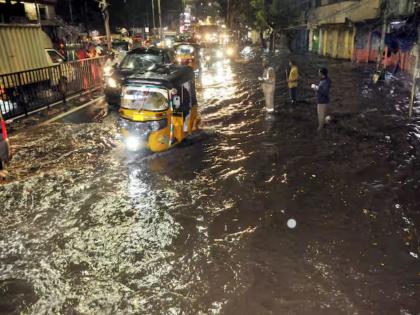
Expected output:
(136, 61)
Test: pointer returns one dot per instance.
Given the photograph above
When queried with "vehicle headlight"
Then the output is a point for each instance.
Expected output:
(132, 143)
(112, 83)
(230, 51)
(107, 71)
(207, 36)
(208, 58)
(219, 54)
(168, 42)
(247, 50)
(179, 60)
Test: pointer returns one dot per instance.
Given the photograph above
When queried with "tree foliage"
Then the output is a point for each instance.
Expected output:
(282, 13)
(263, 14)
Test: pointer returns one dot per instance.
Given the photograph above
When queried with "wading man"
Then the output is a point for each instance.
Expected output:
(268, 85)
(323, 96)
(292, 81)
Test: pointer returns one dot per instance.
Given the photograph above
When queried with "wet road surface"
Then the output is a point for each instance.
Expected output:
(202, 229)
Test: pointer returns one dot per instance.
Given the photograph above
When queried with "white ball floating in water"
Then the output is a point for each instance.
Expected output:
(291, 223)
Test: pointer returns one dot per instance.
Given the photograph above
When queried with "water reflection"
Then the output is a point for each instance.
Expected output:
(218, 82)
(201, 229)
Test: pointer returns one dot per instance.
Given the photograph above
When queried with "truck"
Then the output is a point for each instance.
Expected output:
(26, 47)
(30, 69)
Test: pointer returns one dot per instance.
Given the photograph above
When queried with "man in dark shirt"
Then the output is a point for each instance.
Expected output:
(323, 96)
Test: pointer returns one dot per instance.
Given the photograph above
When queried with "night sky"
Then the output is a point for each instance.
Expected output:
(128, 13)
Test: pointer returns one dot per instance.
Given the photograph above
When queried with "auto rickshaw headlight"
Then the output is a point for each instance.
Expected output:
(219, 54)
(230, 51)
(132, 143)
(107, 71)
(112, 83)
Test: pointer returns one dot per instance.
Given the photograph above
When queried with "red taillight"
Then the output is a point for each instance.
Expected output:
(3, 129)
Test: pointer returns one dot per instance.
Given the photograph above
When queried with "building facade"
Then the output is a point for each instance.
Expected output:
(332, 26)
(353, 30)
(31, 12)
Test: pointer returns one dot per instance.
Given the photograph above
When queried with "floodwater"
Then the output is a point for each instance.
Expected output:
(202, 229)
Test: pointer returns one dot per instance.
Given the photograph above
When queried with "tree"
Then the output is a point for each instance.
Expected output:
(264, 15)
(282, 14)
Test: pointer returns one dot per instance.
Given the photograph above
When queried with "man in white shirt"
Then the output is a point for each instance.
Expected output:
(268, 85)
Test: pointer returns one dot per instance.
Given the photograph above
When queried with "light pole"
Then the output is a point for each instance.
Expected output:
(71, 11)
(153, 16)
(160, 21)
(228, 14)
(103, 5)
(379, 59)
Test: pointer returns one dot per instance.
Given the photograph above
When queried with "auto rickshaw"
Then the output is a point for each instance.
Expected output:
(158, 108)
(188, 54)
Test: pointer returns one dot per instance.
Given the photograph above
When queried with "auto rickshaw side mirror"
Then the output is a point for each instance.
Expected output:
(177, 101)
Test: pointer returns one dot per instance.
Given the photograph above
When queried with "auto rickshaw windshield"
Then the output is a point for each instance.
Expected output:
(145, 98)
(184, 50)
(140, 61)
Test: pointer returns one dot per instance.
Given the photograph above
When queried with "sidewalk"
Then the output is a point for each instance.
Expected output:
(44, 116)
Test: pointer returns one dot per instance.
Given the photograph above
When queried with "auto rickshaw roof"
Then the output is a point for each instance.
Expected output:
(151, 50)
(195, 45)
(169, 76)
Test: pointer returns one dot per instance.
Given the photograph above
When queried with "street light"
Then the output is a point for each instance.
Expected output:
(153, 15)
(103, 5)
(160, 21)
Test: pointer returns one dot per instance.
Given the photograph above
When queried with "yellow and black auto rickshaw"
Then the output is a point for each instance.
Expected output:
(188, 54)
(158, 108)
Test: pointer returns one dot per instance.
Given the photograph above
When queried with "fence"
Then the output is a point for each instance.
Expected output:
(26, 91)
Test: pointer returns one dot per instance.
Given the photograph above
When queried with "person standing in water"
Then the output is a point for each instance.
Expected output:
(292, 81)
(323, 96)
(268, 85)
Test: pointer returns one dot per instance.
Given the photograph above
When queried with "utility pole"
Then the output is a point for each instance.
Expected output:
(38, 14)
(415, 82)
(153, 16)
(228, 14)
(71, 11)
(103, 5)
(384, 27)
(160, 21)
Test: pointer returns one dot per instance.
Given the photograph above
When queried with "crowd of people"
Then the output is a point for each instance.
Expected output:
(322, 89)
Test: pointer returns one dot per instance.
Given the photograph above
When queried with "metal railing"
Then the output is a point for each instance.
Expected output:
(27, 91)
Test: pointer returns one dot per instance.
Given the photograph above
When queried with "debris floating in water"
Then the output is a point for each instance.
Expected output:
(414, 255)
(291, 223)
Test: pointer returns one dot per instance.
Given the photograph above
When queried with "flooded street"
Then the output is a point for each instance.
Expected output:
(202, 229)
